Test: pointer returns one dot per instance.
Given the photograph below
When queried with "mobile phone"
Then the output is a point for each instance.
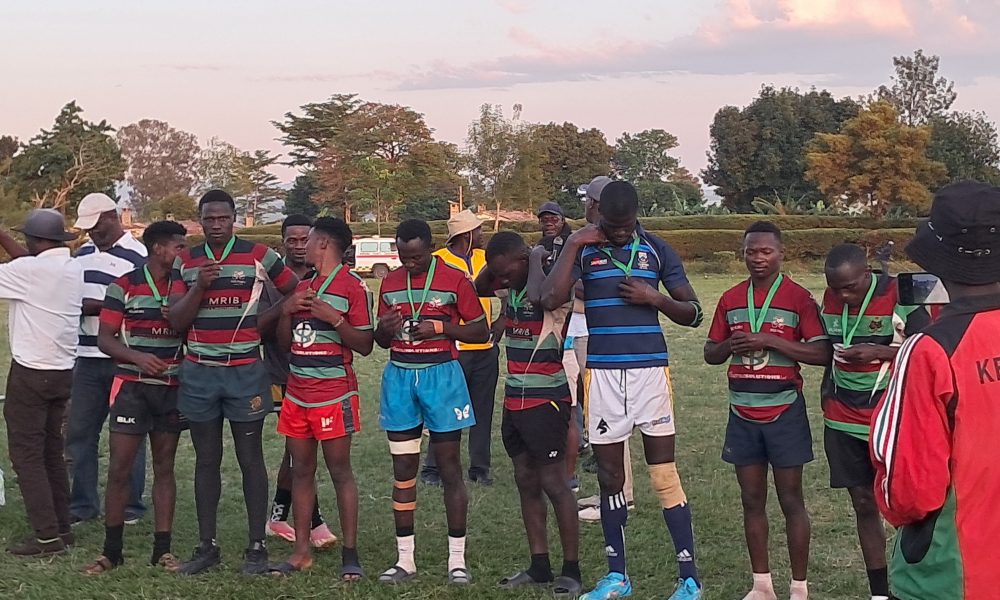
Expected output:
(921, 289)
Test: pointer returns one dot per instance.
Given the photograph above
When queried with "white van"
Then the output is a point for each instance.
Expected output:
(375, 255)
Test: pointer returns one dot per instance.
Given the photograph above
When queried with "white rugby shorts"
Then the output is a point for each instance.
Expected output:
(619, 400)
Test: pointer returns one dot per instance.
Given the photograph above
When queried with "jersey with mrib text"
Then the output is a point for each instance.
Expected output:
(130, 307)
(623, 335)
(762, 385)
(317, 355)
(225, 329)
(450, 298)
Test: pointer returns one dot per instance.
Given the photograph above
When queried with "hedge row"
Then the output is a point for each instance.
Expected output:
(708, 222)
(703, 244)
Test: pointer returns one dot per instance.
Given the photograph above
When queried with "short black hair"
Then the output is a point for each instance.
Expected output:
(295, 221)
(217, 196)
(337, 229)
(160, 232)
(619, 200)
(846, 254)
(763, 227)
(504, 243)
(412, 229)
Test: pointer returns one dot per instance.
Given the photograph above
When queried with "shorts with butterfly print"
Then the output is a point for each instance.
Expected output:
(435, 396)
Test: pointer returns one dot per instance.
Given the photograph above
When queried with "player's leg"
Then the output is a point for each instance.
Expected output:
(545, 433)
(163, 447)
(752, 479)
(206, 437)
(303, 454)
(249, 449)
(281, 505)
(123, 447)
(337, 453)
(405, 449)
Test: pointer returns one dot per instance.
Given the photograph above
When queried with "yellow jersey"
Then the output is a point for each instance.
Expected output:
(471, 266)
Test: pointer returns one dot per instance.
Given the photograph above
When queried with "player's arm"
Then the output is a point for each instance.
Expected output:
(567, 271)
(536, 276)
(11, 246)
(283, 278)
(109, 343)
(718, 347)
(486, 283)
(267, 319)
(353, 326)
(911, 436)
(390, 322)
(813, 352)
(185, 301)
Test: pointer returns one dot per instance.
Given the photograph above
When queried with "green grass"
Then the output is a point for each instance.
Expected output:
(496, 545)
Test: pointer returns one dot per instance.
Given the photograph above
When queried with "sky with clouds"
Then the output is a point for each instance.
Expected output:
(227, 68)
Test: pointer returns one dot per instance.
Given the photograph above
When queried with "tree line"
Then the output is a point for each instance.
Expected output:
(786, 152)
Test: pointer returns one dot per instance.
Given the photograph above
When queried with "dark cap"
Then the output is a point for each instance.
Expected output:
(550, 207)
(961, 240)
(46, 224)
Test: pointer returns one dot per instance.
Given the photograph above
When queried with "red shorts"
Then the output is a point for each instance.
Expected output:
(339, 418)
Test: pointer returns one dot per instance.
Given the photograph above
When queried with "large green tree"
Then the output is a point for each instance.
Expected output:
(916, 91)
(876, 163)
(492, 146)
(966, 143)
(59, 166)
(645, 155)
(162, 161)
(759, 150)
(8, 146)
(300, 199)
(574, 156)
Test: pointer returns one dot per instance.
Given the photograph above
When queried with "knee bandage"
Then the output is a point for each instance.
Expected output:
(404, 447)
(404, 495)
(667, 485)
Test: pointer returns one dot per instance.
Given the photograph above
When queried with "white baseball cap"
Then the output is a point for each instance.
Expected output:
(91, 208)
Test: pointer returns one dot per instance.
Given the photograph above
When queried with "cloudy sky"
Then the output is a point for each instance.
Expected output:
(227, 68)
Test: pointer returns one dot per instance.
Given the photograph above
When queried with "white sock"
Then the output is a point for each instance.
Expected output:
(799, 590)
(456, 553)
(880, 597)
(763, 588)
(406, 546)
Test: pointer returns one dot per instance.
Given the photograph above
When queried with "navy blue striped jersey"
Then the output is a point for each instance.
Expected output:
(622, 335)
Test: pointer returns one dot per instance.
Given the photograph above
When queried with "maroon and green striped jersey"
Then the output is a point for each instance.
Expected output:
(534, 340)
(225, 329)
(131, 308)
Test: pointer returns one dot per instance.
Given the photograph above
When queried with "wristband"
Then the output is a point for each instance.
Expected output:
(438, 327)
(698, 314)
(340, 322)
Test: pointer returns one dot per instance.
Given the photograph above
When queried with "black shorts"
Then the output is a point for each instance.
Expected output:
(850, 463)
(785, 442)
(141, 408)
(539, 431)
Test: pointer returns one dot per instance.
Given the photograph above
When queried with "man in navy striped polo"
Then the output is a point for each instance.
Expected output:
(110, 253)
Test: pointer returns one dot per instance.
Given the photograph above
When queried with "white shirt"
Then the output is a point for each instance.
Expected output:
(100, 269)
(45, 293)
(577, 322)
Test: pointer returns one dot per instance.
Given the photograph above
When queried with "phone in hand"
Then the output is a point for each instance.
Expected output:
(921, 289)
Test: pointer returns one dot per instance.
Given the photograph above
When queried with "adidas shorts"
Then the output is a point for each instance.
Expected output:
(619, 400)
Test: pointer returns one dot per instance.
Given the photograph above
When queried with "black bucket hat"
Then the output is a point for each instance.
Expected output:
(46, 224)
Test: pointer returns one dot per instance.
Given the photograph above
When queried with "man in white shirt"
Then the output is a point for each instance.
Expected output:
(44, 288)
(110, 253)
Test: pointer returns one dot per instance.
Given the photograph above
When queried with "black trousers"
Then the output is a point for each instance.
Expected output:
(482, 370)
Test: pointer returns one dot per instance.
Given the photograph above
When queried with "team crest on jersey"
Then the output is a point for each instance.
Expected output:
(875, 325)
(756, 360)
(436, 302)
(778, 324)
(303, 334)
(642, 260)
(598, 261)
(239, 278)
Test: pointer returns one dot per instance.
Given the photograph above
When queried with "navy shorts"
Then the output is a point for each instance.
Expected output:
(785, 442)
(140, 408)
(850, 463)
(239, 393)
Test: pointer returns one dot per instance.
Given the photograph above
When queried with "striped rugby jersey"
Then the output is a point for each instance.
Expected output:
(622, 335)
(451, 298)
(225, 330)
(764, 385)
(130, 307)
(99, 270)
(317, 355)
(850, 391)
(534, 340)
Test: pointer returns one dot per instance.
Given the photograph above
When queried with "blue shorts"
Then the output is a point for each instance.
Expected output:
(784, 443)
(435, 396)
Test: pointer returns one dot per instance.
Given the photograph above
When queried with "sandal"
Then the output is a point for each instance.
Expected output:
(459, 576)
(518, 580)
(169, 562)
(566, 587)
(395, 575)
(103, 564)
(284, 569)
(351, 573)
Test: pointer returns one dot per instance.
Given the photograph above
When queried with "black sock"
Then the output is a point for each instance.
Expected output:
(878, 581)
(349, 556)
(404, 531)
(113, 544)
(247, 440)
(161, 545)
(571, 569)
(317, 518)
(207, 440)
(281, 504)
(540, 569)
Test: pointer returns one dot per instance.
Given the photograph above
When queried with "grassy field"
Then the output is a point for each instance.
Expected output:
(496, 545)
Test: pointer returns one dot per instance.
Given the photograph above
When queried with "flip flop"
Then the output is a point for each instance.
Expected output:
(518, 580)
(395, 575)
(284, 569)
(352, 573)
(566, 587)
(103, 564)
(459, 576)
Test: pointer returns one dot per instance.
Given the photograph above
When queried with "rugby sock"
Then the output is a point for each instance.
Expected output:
(878, 582)
(571, 569)
(614, 513)
(317, 518)
(161, 545)
(405, 545)
(207, 440)
(248, 440)
(281, 504)
(678, 521)
(799, 590)
(113, 543)
(456, 549)
(349, 556)
(540, 569)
